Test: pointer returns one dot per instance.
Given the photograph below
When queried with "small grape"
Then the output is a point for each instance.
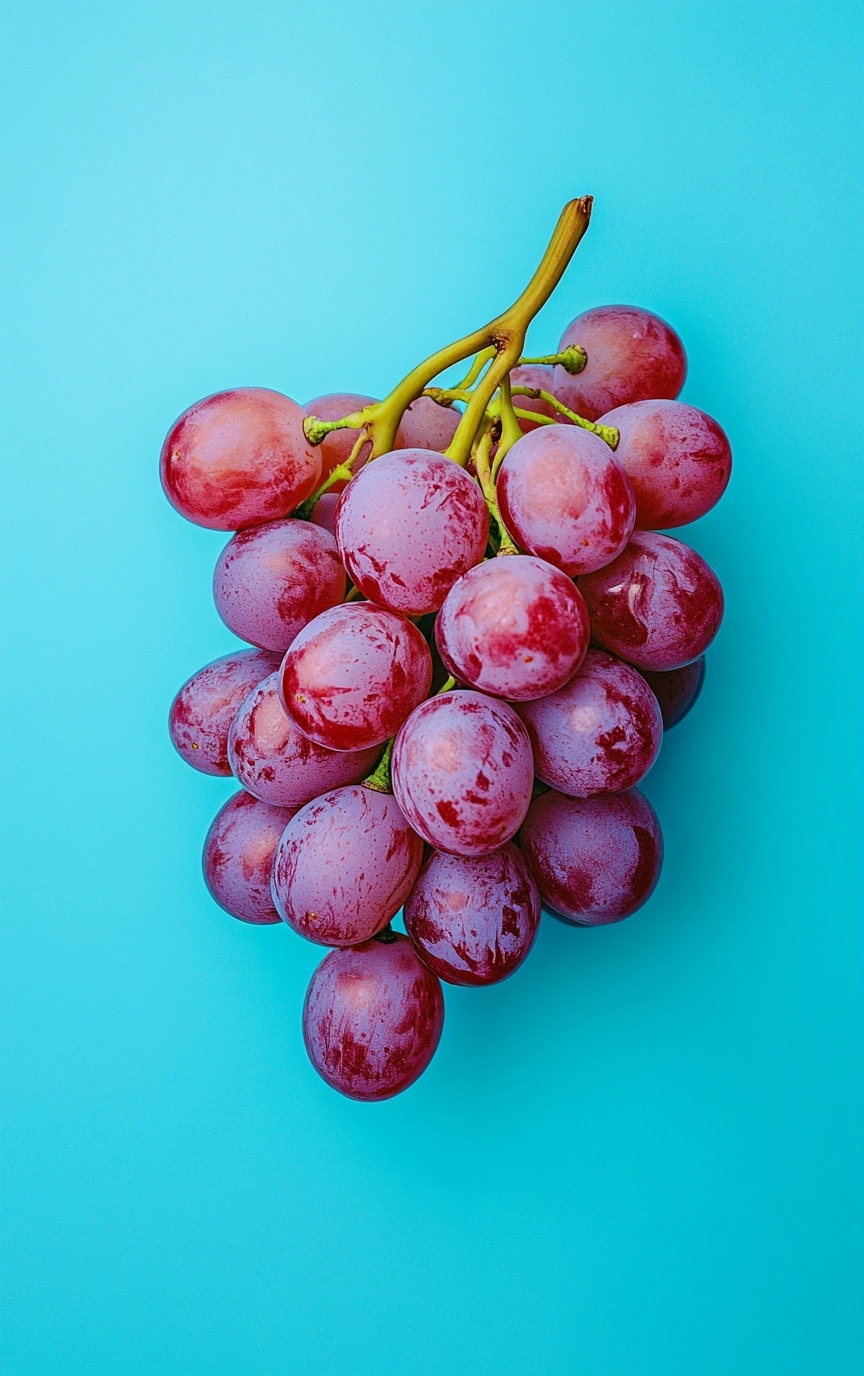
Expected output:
(474, 921)
(345, 865)
(595, 860)
(676, 690)
(372, 1018)
(601, 733)
(427, 425)
(353, 675)
(239, 458)
(274, 761)
(657, 606)
(632, 356)
(514, 627)
(408, 526)
(203, 710)
(678, 460)
(238, 856)
(463, 772)
(564, 497)
(337, 446)
(272, 580)
(323, 513)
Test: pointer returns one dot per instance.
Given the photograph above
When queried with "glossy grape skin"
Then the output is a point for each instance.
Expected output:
(541, 376)
(632, 355)
(463, 772)
(408, 526)
(676, 690)
(372, 1018)
(272, 580)
(238, 856)
(514, 627)
(345, 865)
(474, 921)
(239, 458)
(657, 606)
(323, 513)
(601, 733)
(336, 447)
(595, 860)
(274, 761)
(426, 425)
(203, 710)
(677, 458)
(564, 497)
(353, 675)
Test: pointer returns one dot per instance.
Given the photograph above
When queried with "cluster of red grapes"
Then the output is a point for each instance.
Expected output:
(460, 735)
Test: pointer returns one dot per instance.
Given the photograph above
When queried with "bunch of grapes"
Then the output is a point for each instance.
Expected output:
(466, 636)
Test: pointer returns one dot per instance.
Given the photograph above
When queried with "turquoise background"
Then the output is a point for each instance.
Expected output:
(641, 1155)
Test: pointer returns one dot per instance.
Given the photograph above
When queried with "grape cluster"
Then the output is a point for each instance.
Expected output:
(466, 637)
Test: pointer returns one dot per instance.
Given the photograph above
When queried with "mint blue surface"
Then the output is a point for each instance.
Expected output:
(641, 1156)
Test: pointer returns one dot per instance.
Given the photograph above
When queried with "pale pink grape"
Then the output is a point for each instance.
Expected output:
(203, 710)
(272, 580)
(238, 856)
(345, 865)
(564, 497)
(275, 762)
(632, 355)
(336, 447)
(426, 425)
(677, 458)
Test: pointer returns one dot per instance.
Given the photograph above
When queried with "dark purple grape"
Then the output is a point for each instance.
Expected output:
(345, 865)
(657, 606)
(353, 675)
(514, 627)
(595, 860)
(408, 526)
(272, 580)
(678, 460)
(239, 458)
(632, 355)
(238, 856)
(202, 712)
(463, 772)
(598, 734)
(474, 921)
(676, 690)
(373, 1018)
(275, 762)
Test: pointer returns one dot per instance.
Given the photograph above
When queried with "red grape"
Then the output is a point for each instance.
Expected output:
(408, 526)
(275, 762)
(599, 734)
(323, 512)
(540, 376)
(354, 674)
(238, 458)
(474, 921)
(595, 860)
(372, 1018)
(273, 579)
(238, 856)
(202, 712)
(657, 606)
(678, 460)
(514, 627)
(463, 772)
(426, 425)
(345, 866)
(336, 447)
(564, 496)
(632, 355)
(676, 690)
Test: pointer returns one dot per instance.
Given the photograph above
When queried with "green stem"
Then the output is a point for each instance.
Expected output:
(379, 779)
(606, 432)
(571, 359)
(446, 686)
(341, 471)
(487, 485)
